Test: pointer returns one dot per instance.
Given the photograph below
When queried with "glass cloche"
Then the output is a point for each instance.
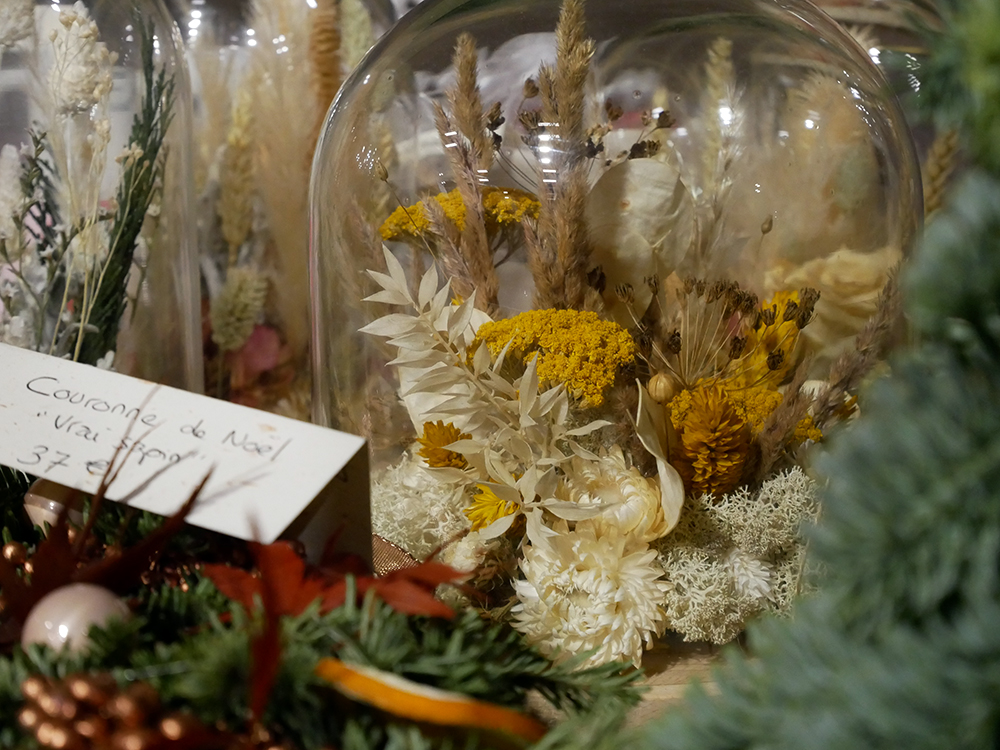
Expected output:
(264, 73)
(589, 278)
(96, 210)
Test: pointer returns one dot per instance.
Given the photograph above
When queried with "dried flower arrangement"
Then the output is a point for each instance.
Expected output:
(67, 254)
(628, 456)
(253, 182)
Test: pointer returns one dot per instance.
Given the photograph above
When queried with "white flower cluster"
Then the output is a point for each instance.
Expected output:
(416, 511)
(80, 77)
(17, 21)
(733, 557)
(589, 592)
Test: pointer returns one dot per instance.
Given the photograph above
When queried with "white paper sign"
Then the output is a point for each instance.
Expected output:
(63, 421)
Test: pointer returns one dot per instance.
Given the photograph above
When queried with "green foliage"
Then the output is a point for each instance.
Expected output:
(205, 666)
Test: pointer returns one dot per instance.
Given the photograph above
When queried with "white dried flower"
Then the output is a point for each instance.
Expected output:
(17, 21)
(467, 553)
(80, 77)
(583, 592)
(751, 577)
(107, 361)
(11, 199)
(19, 331)
(414, 509)
(88, 250)
(632, 500)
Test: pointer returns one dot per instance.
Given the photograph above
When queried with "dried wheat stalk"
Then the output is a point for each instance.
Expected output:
(467, 104)
(474, 244)
(559, 253)
(779, 427)
(324, 59)
(284, 150)
(869, 347)
(937, 170)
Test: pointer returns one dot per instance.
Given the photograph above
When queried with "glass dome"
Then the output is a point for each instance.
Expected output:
(254, 63)
(95, 174)
(570, 268)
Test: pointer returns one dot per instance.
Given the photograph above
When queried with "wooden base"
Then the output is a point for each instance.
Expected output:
(670, 666)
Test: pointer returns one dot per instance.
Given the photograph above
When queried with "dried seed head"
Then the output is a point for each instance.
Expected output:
(736, 346)
(625, 293)
(664, 119)
(653, 282)
(495, 118)
(791, 311)
(767, 225)
(769, 316)
(689, 283)
(716, 291)
(530, 119)
(380, 171)
(644, 149)
(775, 359)
(674, 342)
(613, 111)
(530, 89)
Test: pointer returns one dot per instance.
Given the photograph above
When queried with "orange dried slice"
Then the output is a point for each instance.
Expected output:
(417, 702)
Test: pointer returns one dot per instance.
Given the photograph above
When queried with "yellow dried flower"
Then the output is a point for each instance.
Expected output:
(755, 405)
(412, 221)
(770, 347)
(436, 436)
(236, 309)
(506, 207)
(487, 507)
(573, 347)
(503, 207)
(714, 441)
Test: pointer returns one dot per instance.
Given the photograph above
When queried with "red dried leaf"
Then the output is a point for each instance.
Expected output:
(408, 597)
(236, 584)
(408, 590)
(282, 568)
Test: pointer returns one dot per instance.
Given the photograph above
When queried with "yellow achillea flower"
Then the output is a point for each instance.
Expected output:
(503, 207)
(754, 405)
(770, 347)
(487, 507)
(412, 221)
(715, 440)
(508, 207)
(436, 436)
(574, 347)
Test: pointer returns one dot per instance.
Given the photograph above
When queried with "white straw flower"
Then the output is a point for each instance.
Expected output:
(10, 195)
(80, 76)
(17, 20)
(632, 500)
(583, 592)
(751, 577)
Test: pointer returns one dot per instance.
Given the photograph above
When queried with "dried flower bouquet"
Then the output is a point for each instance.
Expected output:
(66, 253)
(253, 184)
(626, 457)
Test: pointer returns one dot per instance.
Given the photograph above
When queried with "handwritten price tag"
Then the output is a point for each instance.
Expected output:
(272, 476)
